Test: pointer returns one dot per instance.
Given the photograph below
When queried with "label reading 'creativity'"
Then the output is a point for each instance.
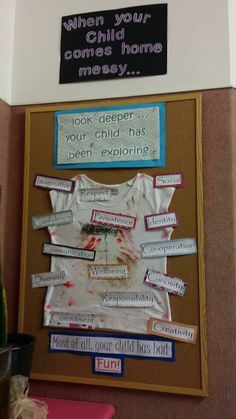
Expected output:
(177, 331)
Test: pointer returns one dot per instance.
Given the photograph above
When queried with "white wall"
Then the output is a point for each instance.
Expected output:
(198, 51)
(7, 23)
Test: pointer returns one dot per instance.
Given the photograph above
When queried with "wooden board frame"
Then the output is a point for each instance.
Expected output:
(183, 115)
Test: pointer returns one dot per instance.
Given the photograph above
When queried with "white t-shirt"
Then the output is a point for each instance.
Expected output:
(82, 295)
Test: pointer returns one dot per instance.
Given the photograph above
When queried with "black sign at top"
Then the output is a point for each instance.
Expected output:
(129, 42)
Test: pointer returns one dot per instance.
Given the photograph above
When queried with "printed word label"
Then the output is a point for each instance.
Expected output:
(53, 219)
(47, 182)
(127, 299)
(67, 251)
(163, 248)
(112, 219)
(47, 278)
(98, 230)
(108, 365)
(175, 180)
(156, 221)
(164, 282)
(95, 194)
(138, 347)
(177, 331)
(72, 320)
(108, 271)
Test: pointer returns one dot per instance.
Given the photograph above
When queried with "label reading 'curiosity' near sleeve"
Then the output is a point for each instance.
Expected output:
(164, 282)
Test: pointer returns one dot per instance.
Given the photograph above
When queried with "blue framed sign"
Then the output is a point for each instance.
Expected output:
(110, 137)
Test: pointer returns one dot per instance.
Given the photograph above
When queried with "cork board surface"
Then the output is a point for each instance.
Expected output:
(188, 374)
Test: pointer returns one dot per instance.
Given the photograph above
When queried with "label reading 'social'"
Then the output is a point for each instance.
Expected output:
(47, 278)
(176, 247)
(164, 282)
(113, 219)
(52, 219)
(67, 251)
(174, 180)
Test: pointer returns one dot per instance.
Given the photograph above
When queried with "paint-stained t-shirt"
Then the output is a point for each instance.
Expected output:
(110, 291)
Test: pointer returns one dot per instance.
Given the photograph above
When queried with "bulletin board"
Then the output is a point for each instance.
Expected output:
(187, 374)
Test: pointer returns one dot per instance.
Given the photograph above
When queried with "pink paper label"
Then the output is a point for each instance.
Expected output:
(162, 220)
(126, 222)
(175, 180)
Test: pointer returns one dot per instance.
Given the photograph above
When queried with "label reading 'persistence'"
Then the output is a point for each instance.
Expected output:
(113, 219)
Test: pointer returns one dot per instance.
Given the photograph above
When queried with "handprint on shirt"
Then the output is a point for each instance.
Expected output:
(126, 250)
